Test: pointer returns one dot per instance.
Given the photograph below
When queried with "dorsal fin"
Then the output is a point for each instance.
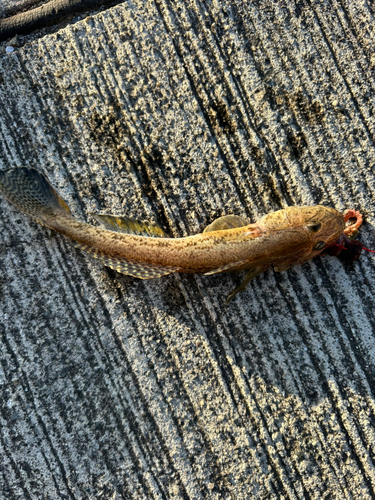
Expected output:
(130, 226)
(226, 222)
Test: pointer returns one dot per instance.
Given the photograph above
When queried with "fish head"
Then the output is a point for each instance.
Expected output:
(309, 228)
(322, 225)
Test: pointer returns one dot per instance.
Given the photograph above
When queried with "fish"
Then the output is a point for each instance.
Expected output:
(286, 237)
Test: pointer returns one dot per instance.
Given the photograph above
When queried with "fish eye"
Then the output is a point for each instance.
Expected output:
(314, 226)
(319, 245)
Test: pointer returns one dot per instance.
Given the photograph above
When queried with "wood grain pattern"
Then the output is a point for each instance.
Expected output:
(180, 112)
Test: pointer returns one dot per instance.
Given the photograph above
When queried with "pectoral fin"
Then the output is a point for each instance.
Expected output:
(252, 273)
(130, 226)
(140, 270)
(226, 267)
(226, 222)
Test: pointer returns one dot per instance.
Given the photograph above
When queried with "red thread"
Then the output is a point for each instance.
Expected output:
(364, 248)
(340, 246)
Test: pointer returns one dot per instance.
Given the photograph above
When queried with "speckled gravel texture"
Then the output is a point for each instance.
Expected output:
(179, 112)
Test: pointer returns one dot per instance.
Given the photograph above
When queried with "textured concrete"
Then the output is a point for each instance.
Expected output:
(180, 112)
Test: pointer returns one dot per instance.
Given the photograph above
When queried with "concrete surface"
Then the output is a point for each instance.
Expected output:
(179, 112)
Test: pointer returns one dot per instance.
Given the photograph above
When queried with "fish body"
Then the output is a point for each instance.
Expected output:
(283, 238)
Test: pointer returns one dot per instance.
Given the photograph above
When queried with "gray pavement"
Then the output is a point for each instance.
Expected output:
(180, 112)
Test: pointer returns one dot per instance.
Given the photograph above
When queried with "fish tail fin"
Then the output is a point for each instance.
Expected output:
(29, 191)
